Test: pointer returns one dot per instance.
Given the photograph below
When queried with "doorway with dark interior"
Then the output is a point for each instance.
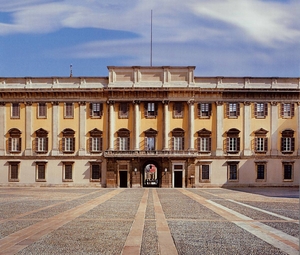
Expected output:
(123, 179)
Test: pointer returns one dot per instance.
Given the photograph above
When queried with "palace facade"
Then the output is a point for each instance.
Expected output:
(150, 126)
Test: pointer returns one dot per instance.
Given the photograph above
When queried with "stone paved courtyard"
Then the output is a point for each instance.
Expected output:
(149, 221)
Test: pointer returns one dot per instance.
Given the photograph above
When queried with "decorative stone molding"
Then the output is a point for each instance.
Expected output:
(247, 103)
(219, 103)
(273, 103)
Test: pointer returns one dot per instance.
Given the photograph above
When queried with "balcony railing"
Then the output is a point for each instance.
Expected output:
(155, 153)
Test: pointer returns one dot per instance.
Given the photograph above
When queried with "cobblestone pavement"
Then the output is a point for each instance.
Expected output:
(149, 221)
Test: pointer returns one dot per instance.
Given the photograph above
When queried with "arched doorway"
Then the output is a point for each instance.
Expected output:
(151, 174)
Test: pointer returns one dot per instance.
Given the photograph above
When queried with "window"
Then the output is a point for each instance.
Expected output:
(15, 110)
(178, 139)
(69, 110)
(150, 110)
(68, 141)
(40, 171)
(233, 171)
(123, 110)
(123, 139)
(260, 110)
(14, 141)
(96, 110)
(287, 110)
(150, 139)
(233, 141)
(287, 171)
(233, 110)
(14, 171)
(177, 110)
(204, 110)
(287, 141)
(204, 140)
(41, 141)
(95, 140)
(204, 173)
(261, 171)
(42, 110)
(95, 172)
(260, 141)
(68, 171)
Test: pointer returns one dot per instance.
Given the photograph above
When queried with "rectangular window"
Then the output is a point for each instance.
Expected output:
(15, 110)
(233, 144)
(287, 110)
(14, 171)
(14, 144)
(261, 110)
(260, 171)
(68, 144)
(150, 110)
(233, 110)
(96, 110)
(69, 110)
(287, 144)
(205, 172)
(233, 172)
(123, 110)
(287, 171)
(150, 143)
(41, 144)
(95, 172)
(95, 144)
(261, 144)
(178, 110)
(123, 143)
(178, 143)
(41, 172)
(68, 172)
(42, 110)
(204, 144)
(204, 110)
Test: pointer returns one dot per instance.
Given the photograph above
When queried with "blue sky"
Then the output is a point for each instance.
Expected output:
(219, 37)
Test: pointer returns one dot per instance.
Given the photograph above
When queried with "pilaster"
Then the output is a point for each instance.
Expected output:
(28, 128)
(136, 125)
(82, 124)
(247, 118)
(219, 129)
(55, 128)
(2, 128)
(274, 127)
(111, 125)
(191, 124)
(166, 125)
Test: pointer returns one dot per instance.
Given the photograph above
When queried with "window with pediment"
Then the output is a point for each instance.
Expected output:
(95, 140)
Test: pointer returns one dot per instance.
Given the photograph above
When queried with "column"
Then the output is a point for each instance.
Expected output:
(111, 125)
(191, 124)
(82, 121)
(219, 128)
(55, 127)
(2, 128)
(166, 125)
(28, 128)
(247, 118)
(298, 130)
(274, 128)
(136, 125)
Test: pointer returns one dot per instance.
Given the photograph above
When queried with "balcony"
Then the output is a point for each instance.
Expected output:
(150, 154)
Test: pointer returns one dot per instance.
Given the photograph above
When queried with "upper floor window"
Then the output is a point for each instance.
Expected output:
(260, 110)
(287, 141)
(204, 110)
(204, 140)
(15, 110)
(233, 141)
(41, 141)
(15, 140)
(68, 141)
(287, 110)
(42, 110)
(95, 140)
(69, 110)
(123, 110)
(150, 110)
(261, 141)
(150, 139)
(178, 110)
(178, 139)
(96, 110)
(233, 110)
(123, 139)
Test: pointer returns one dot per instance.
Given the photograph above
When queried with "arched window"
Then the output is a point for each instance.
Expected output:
(15, 140)
(41, 141)
(178, 139)
(233, 141)
(68, 140)
(287, 141)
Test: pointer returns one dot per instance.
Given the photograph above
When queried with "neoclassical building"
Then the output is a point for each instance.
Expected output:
(150, 127)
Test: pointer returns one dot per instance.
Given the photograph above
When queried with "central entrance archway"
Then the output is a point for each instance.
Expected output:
(150, 175)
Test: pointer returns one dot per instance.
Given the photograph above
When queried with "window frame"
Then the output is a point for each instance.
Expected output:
(14, 168)
(287, 113)
(284, 174)
(260, 110)
(232, 110)
(96, 110)
(207, 111)
(178, 109)
(287, 141)
(68, 141)
(15, 111)
(14, 141)
(38, 165)
(42, 111)
(150, 112)
(230, 174)
(123, 110)
(68, 166)
(68, 110)
(208, 172)
(258, 171)
(93, 164)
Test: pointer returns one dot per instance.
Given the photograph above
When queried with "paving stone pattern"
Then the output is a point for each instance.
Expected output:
(98, 221)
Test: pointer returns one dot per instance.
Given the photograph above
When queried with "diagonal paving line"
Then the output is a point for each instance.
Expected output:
(166, 245)
(277, 238)
(134, 239)
(24, 237)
